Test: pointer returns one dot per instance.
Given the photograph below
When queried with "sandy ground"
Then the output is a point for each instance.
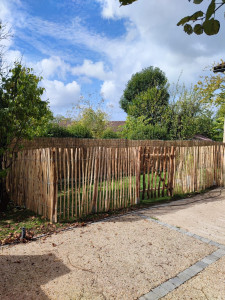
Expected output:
(206, 217)
(209, 284)
(119, 259)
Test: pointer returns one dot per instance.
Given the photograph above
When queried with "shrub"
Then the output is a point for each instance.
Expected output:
(139, 129)
(109, 134)
(54, 130)
(79, 131)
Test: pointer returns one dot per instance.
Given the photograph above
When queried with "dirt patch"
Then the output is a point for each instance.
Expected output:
(209, 284)
(122, 258)
(202, 214)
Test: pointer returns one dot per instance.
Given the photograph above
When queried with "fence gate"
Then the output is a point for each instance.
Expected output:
(157, 172)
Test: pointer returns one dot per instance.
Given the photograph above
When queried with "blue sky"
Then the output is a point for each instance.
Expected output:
(91, 48)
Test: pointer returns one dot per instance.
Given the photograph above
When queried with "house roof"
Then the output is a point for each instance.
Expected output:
(115, 125)
(201, 137)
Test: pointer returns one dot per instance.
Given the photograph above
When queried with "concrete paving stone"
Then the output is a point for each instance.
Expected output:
(168, 286)
(198, 237)
(214, 244)
(219, 253)
(176, 281)
(184, 276)
(189, 233)
(174, 228)
(182, 230)
(204, 240)
(210, 259)
(201, 264)
(159, 222)
(190, 272)
(150, 296)
(196, 268)
(207, 261)
(222, 247)
(160, 291)
(167, 225)
(171, 227)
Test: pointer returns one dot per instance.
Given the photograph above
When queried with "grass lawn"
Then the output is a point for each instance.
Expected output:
(12, 220)
(67, 207)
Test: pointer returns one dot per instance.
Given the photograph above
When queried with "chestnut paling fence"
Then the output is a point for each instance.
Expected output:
(72, 178)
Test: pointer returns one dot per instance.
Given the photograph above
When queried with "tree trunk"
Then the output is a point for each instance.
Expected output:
(4, 198)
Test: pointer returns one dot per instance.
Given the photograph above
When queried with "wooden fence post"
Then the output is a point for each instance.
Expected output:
(144, 167)
(95, 188)
(171, 183)
(52, 185)
(138, 175)
(55, 185)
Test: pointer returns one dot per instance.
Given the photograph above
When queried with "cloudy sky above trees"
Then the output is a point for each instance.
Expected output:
(91, 48)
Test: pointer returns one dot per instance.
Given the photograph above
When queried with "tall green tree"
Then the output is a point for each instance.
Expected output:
(23, 114)
(201, 21)
(188, 116)
(145, 88)
(212, 92)
(150, 104)
(212, 89)
(218, 124)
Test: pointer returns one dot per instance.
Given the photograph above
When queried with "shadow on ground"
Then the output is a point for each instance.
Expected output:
(21, 276)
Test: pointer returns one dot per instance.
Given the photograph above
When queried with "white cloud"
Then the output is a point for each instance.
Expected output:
(61, 95)
(151, 38)
(108, 89)
(91, 69)
(52, 67)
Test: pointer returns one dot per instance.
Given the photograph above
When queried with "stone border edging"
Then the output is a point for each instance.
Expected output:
(174, 282)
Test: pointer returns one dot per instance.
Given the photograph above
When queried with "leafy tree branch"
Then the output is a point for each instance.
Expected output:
(199, 22)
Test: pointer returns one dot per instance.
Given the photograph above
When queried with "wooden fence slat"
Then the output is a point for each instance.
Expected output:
(160, 171)
(76, 181)
(70, 182)
(138, 174)
(144, 170)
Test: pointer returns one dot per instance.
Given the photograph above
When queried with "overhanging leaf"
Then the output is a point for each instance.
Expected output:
(210, 10)
(198, 29)
(183, 21)
(188, 29)
(211, 26)
(126, 2)
(193, 17)
(197, 1)
(196, 15)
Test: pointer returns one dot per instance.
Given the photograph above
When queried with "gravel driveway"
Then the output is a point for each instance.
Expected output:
(122, 258)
